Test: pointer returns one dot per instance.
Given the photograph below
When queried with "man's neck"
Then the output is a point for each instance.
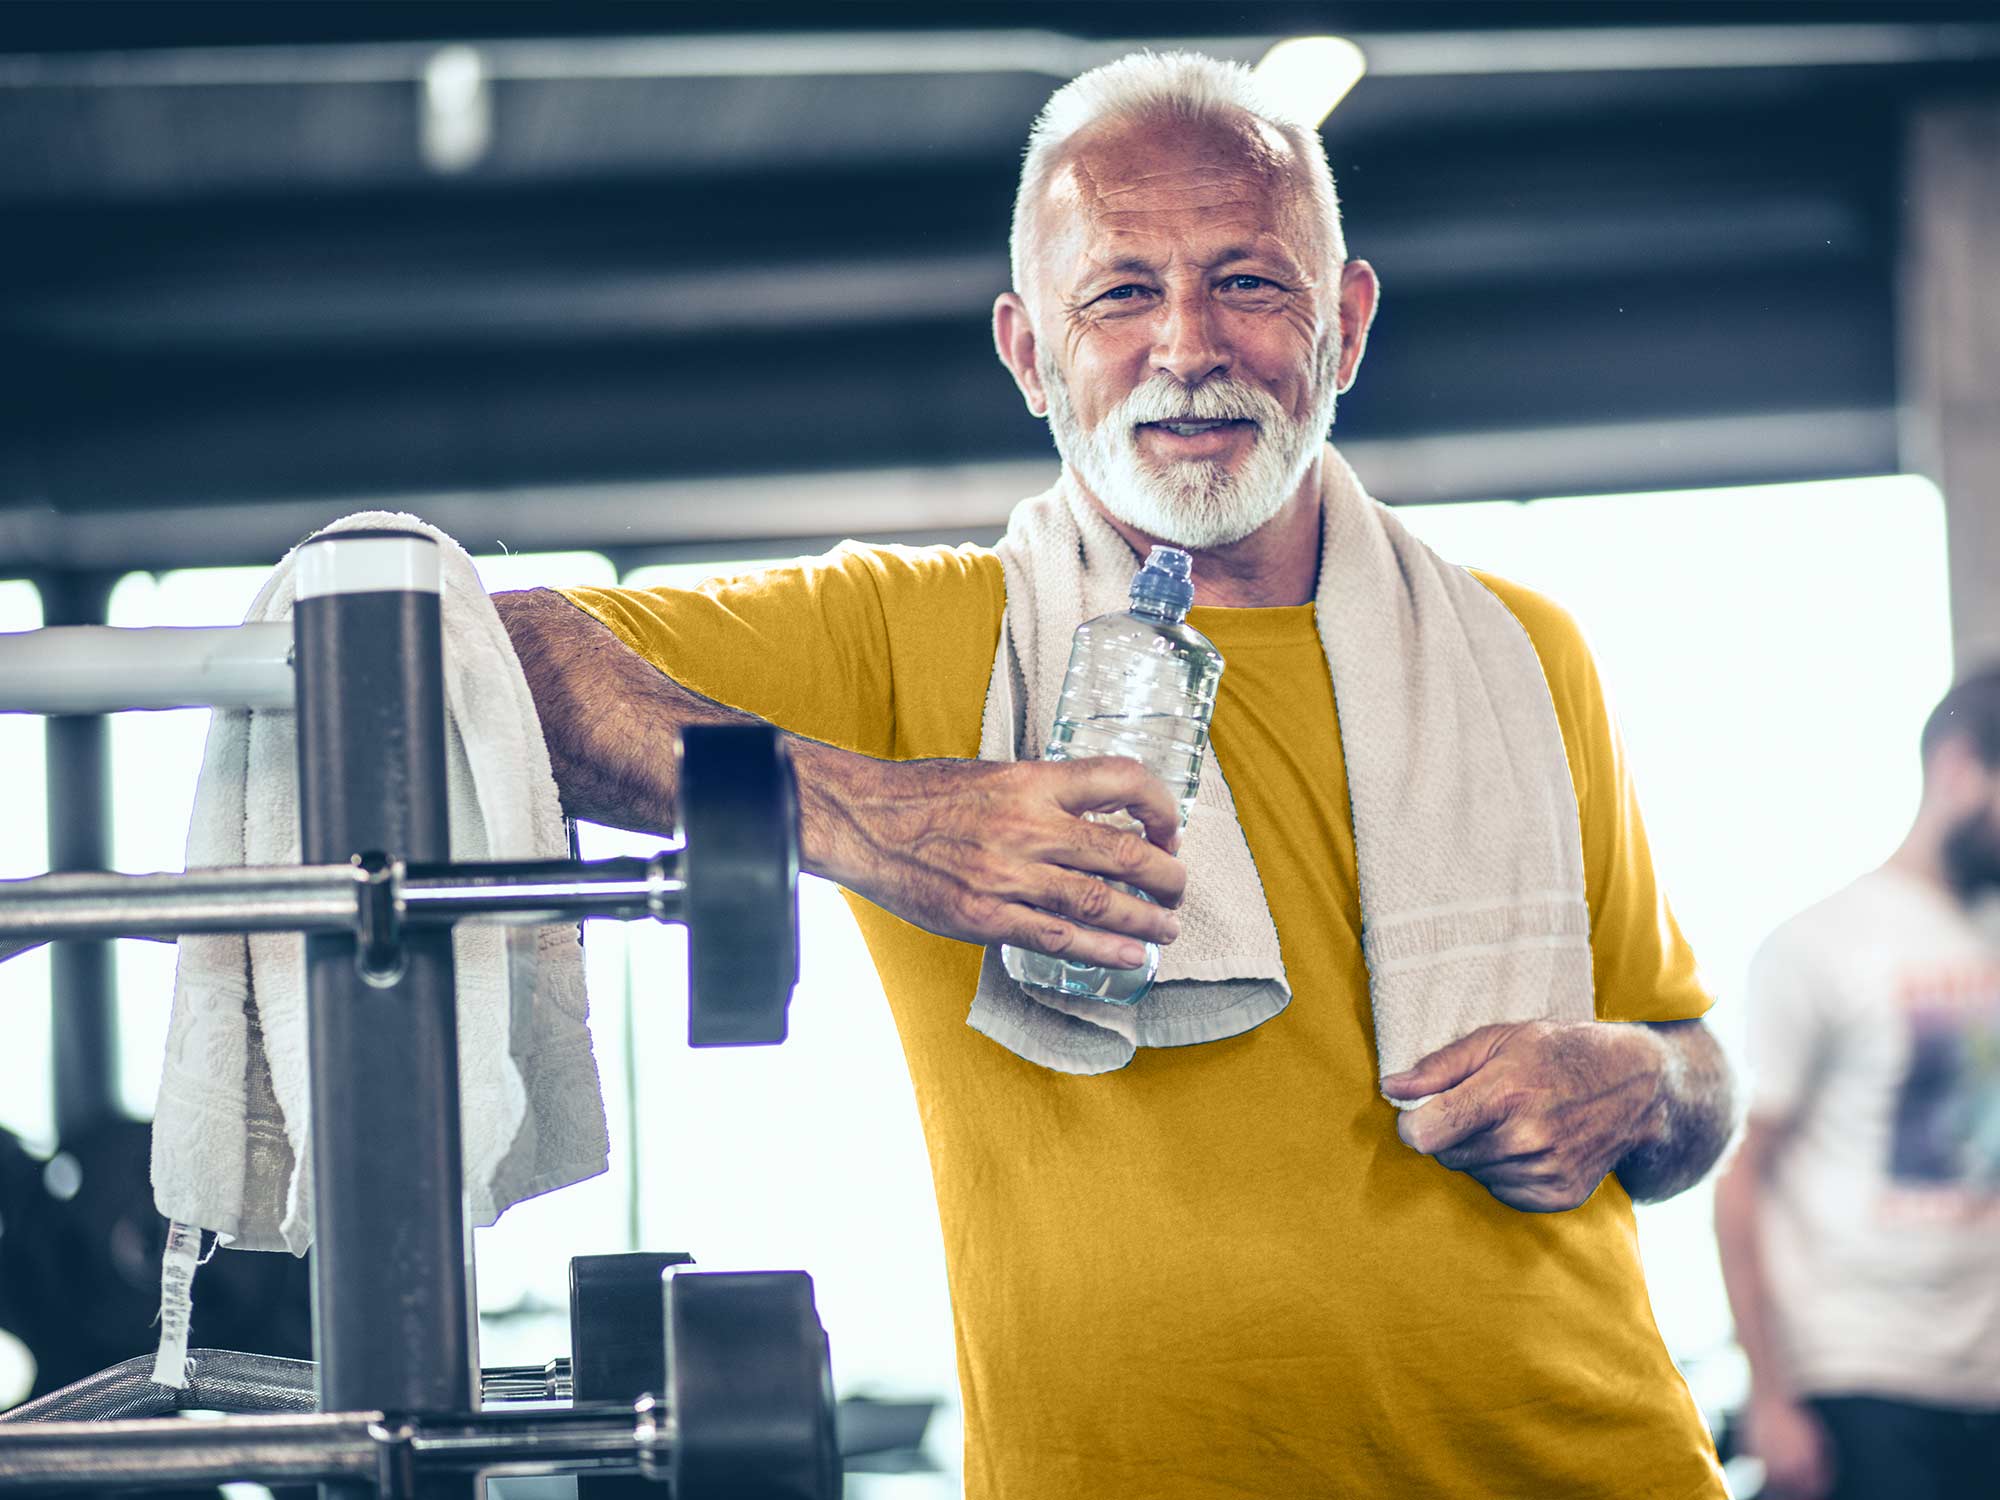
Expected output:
(1276, 564)
(1921, 857)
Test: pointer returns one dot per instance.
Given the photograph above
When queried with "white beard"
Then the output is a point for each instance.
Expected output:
(1193, 503)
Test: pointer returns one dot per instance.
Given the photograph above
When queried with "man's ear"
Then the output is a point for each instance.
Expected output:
(1359, 292)
(1014, 341)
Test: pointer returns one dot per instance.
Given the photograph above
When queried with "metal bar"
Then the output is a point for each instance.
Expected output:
(945, 52)
(228, 1380)
(85, 668)
(171, 1452)
(393, 1317)
(324, 898)
(250, 898)
(552, 1381)
(354, 1450)
(82, 980)
(555, 890)
(334, 898)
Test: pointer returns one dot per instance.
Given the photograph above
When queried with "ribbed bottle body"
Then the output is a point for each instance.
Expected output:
(1141, 683)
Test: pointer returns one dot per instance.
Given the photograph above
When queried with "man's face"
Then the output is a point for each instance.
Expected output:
(1972, 845)
(1188, 342)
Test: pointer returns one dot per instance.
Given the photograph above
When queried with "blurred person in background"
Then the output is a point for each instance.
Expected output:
(1859, 1221)
(1231, 1268)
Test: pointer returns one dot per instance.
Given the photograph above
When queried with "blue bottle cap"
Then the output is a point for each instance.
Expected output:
(1165, 586)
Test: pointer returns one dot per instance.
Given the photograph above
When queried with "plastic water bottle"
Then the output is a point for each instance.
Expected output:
(1140, 683)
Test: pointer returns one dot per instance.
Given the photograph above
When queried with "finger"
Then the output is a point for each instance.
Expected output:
(1117, 783)
(1045, 932)
(1487, 1150)
(1097, 903)
(1446, 1120)
(1533, 1197)
(1445, 1068)
(1117, 855)
(1510, 1140)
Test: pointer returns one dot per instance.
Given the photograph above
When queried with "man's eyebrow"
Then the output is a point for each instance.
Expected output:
(1278, 260)
(1123, 263)
(1138, 263)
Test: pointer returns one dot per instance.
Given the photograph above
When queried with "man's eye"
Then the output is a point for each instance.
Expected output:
(1122, 293)
(1246, 283)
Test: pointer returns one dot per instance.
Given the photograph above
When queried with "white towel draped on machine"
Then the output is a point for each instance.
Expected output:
(231, 1136)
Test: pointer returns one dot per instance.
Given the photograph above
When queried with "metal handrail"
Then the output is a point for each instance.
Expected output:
(92, 669)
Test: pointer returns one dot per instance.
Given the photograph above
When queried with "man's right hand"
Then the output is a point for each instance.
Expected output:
(1788, 1437)
(1002, 852)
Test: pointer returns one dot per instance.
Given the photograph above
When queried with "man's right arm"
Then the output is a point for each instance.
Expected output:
(976, 850)
(1780, 1429)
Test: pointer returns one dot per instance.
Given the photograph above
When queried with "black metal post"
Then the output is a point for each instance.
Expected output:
(392, 1304)
(82, 982)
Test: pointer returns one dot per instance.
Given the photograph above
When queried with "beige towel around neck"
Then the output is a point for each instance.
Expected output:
(1465, 818)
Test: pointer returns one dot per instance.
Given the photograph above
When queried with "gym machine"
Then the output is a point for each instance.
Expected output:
(713, 1383)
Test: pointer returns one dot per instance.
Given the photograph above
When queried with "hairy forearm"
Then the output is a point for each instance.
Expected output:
(1691, 1117)
(609, 717)
(611, 720)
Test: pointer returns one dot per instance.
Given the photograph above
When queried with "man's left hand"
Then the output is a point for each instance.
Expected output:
(1538, 1112)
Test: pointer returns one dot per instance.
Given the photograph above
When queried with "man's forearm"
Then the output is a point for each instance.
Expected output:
(611, 727)
(1693, 1114)
(983, 851)
(1739, 1246)
(611, 719)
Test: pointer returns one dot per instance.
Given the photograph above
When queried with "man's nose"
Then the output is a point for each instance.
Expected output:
(1189, 347)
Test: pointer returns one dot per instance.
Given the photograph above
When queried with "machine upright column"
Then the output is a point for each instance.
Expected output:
(83, 983)
(392, 1303)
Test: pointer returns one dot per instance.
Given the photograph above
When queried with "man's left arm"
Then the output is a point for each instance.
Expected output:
(1539, 1111)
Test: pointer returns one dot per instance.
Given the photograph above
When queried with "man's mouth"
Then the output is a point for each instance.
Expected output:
(1195, 426)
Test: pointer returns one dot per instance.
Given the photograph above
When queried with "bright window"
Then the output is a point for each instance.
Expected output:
(808, 1155)
(26, 1102)
(1770, 654)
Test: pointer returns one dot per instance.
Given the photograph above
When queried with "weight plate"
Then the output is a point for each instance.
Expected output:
(752, 1388)
(739, 813)
(617, 1340)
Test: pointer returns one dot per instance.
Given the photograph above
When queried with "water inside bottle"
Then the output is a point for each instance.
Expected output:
(1140, 683)
(1170, 745)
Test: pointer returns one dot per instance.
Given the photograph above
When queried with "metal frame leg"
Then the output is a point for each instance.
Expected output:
(82, 980)
(393, 1309)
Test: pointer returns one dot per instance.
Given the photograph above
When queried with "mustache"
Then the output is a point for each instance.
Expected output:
(1222, 399)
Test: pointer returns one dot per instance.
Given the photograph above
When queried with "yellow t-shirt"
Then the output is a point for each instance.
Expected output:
(1219, 1272)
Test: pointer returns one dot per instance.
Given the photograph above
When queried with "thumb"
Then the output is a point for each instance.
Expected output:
(1443, 1069)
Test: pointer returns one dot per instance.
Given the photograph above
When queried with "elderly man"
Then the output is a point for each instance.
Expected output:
(1370, 1233)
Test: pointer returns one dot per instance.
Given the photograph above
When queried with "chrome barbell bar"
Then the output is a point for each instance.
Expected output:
(372, 897)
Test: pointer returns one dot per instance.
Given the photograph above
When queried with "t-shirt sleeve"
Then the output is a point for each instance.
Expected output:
(1643, 968)
(1784, 1027)
(816, 646)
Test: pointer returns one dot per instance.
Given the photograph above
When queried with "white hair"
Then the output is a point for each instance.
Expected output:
(1143, 86)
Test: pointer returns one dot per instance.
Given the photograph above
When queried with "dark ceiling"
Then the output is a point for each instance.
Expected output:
(762, 240)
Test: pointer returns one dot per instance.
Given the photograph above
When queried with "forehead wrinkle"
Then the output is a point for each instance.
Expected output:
(1191, 177)
(1247, 164)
